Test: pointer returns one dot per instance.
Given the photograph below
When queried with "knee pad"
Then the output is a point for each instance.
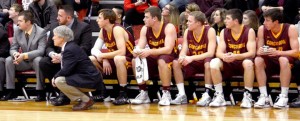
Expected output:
(215, 63)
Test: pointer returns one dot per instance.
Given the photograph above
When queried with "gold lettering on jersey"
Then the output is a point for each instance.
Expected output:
(109, 45)
(156, 43)
(199, 47)
(237, 46)
(279, 43)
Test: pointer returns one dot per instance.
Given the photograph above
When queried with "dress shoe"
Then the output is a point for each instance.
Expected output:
(10, 95)
(296, 103)
(41, 96)
(101, 98)
(60, 101)
(83, 105)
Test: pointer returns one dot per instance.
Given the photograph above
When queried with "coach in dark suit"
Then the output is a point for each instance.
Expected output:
(50, 64)
(4, 53)
(31, 40)
(77, 75)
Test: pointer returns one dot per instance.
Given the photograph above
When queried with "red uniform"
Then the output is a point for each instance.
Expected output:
(196, 46)
(236, 45)
(110, 43)
(155, 42)
(281, 42)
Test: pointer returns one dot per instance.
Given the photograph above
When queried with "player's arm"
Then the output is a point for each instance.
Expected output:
(143, 39)
(98, 45)
(293, 35)
(260, 41)
(251, 47)
(184, 46)
(221, 48)
(211, 46)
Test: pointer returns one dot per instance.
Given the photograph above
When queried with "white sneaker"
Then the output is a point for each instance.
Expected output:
(247, 100)
(218, 100)
(107, 99)
(141, 98)
(180, 99)
(205, 100)
(262, 102)
(166, 98)
(281, 101)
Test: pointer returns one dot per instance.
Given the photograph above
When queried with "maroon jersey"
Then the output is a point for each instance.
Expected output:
(281, 40)
(198, 44)
(158, 41)
(237, 44)
(110, 41)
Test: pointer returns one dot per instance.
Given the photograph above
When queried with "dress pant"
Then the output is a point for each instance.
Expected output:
(2, 73)
(49, 69)
(296, 72)
(11, 69)
(73, 93)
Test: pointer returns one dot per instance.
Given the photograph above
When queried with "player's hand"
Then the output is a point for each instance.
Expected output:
(228, 57)
(145, 53)
(181, 59)
(187, 60)
(99, 58)
(261, 51)
(136, 51)
(273, 52)
(106, 67)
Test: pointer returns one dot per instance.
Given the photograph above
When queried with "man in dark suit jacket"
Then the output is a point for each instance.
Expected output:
(45, 13)
(4, 52)
(4, 7)
(31, 40)
(77, 75)
(50, 64)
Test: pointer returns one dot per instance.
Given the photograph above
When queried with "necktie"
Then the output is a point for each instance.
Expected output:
(61, 59)
(27, 37)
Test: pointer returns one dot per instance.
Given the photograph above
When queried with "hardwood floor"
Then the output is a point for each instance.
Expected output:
(43, 111)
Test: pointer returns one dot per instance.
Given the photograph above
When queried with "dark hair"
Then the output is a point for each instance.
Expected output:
(27, 16)
(236, 14)
(120, 10)
(108, 14)
(17, 7)
(68, 9)
(274, 14)
(199, 16)
(154, 12)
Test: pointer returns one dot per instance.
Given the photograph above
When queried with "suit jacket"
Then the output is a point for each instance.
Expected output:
(49, 14)
(82, 37)
(5, 4)
(34, 47)
(4, 44)
(78, 68)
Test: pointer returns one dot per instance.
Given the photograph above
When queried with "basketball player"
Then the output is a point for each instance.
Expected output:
(119, 43)
(161, 38)
(235, 54)
(198, 48)
(277, 49)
